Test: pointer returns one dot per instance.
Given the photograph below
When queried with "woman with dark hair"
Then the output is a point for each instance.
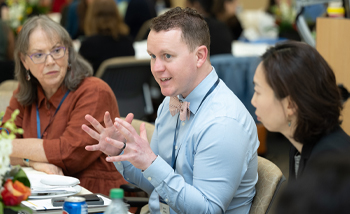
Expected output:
(225, 11)
(55, 93)
(107, 34)
(296, 94)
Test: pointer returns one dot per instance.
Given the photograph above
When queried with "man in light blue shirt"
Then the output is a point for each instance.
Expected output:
(203, 156)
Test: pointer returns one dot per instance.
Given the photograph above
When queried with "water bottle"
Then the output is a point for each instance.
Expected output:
(117, 206)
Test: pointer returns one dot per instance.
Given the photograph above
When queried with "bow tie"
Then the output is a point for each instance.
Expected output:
(175, 106)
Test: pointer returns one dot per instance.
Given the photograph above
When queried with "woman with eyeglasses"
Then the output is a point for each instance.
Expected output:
(56, 90)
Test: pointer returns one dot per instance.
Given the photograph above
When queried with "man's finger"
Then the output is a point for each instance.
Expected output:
(107, 119)
(123, 157)
(143, 131)
(125, 132)
(129, 118)
(90, 132)
(126, 127)
(92, 147)
(94, 123)
(115, 143)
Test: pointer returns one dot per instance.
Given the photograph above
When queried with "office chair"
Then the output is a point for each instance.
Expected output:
(144, 31)
(129, 79)
(269, 182)
(6, 91)
(8, 85)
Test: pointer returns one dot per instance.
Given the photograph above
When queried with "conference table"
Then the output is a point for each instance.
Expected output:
(34, 173)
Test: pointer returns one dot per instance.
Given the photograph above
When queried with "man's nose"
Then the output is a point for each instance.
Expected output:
(157, 66)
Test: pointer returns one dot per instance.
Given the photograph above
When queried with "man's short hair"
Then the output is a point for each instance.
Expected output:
(195, 31)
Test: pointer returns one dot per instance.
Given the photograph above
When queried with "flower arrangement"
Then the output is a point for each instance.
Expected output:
(285, 15)
(20, 10)
(14, 183)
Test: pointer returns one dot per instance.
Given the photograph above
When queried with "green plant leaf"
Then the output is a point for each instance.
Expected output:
(1, 208)
(21, 176)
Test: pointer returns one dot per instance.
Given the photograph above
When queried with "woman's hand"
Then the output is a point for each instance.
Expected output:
(102, 134)
(46, 167)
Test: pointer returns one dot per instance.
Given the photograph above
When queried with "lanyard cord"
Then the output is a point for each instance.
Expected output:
(174, 157)
(40, 136)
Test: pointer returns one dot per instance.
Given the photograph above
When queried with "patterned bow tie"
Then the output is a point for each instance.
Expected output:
(175, 106)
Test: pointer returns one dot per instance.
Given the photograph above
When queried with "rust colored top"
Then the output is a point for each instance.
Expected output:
(64, 140)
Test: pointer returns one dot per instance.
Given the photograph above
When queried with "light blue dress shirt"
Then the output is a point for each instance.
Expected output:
(216, 150)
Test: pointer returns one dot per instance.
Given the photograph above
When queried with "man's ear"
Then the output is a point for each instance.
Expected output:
(201, 54)
(23, 60)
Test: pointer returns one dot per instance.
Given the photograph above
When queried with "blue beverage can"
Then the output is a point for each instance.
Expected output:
(75, 205)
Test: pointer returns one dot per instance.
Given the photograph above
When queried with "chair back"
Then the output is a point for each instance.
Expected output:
(269, 182)
(9, 85)
(142, 34)
(129, 79)
(6, 91)
(5, 97)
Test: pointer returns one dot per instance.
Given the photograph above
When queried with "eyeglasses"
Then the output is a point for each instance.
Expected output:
(56, 53)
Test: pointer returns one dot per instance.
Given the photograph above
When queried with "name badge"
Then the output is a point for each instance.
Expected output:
(163, 206)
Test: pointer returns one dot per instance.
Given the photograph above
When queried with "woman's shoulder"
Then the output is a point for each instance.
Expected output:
(336, 141)
(94, 84)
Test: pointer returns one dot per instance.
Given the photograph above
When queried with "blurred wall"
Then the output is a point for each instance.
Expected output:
(254, 4)
(247, 4)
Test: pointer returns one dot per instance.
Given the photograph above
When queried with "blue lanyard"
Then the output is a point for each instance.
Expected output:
(40, 136)
(174, 158)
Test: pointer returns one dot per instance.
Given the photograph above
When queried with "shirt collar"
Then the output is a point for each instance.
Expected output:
(196, 96)
(54, 100)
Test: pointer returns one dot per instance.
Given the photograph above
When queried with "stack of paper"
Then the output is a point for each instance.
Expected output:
(45, 206)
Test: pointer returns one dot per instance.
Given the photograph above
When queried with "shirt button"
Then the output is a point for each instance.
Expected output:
(119, 163)
(175, 147)
(45, 133)
(183, 123)
(166, 200)
(149, 178)
(127, 178)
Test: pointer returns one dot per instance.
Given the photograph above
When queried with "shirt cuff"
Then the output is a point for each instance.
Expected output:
(157, 171)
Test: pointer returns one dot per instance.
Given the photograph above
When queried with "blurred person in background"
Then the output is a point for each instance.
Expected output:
(220, 36)
(225, 11)
(296, 94)
(137, 13)
(55, 92)
(7, 44)
(107, 34)
(7, 41)
(73, 18)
